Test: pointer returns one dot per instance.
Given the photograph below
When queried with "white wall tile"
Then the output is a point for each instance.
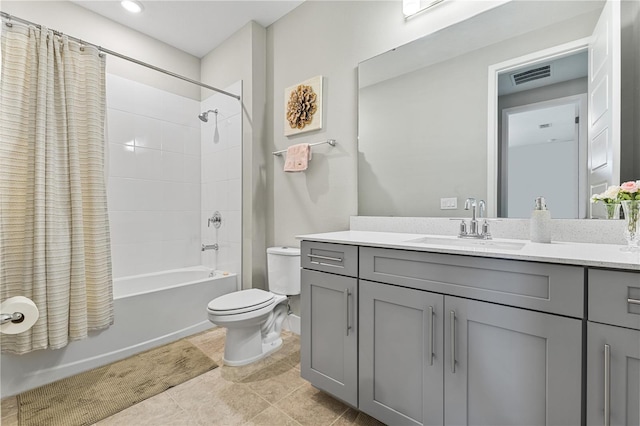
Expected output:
(218, 166)
(149, 195)
(234, 195)
(174, 137)
(122, 160)
(191, 193)
(148, 163)
(119, 92)
(174, 196)
(181, 110)
(122, 227)
(148, 132)
(234, 163)
(191, 169)
(120, 194)
(120, 127)
(148, 101)
(148, 226)
(192, 141)
(154, 214)
(172, 166)
(220, 196)
(234, 223)
(234, 130)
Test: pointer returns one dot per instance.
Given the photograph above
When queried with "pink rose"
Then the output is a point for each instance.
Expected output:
(630, 187)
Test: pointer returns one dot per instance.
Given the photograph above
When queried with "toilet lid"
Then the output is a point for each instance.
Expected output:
(241, 301)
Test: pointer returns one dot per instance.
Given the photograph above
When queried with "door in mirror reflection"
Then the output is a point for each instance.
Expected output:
(542, 143)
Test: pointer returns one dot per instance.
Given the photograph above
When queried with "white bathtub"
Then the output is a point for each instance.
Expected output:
(149, 310)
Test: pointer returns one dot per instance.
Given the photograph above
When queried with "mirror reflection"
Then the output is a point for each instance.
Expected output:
(424, 137)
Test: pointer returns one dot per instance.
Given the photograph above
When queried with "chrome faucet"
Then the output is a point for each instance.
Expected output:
(210, 247)
(480, 208)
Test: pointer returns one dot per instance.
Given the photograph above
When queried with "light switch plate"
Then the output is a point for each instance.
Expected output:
(448, 203)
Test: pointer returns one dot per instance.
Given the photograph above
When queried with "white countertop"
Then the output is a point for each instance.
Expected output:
(581, 254)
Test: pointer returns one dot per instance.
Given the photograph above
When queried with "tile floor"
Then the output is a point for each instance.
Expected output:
(269, 392)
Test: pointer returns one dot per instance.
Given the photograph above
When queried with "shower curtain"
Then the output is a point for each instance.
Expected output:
(54, 229)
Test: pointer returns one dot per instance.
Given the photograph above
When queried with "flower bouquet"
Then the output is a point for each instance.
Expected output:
(626, 195)
(610, 200)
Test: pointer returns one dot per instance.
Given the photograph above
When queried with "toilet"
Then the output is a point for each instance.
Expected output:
(253, 317)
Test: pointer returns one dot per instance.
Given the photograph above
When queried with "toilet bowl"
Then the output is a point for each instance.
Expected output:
(254, 317)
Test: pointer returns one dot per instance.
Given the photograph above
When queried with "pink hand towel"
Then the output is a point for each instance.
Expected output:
(298, 157)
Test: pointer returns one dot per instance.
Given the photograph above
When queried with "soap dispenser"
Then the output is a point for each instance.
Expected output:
(540, 226)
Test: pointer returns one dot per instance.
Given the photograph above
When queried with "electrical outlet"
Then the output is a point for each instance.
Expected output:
(448, 203)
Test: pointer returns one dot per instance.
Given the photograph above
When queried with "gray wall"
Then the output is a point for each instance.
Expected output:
(78, 22)
(330, 38)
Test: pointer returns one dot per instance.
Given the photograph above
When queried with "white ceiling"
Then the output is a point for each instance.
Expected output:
(196, 27)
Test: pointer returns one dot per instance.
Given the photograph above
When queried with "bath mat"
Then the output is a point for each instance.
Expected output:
(91, 396)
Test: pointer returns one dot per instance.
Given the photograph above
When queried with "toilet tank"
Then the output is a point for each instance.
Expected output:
(283, 269)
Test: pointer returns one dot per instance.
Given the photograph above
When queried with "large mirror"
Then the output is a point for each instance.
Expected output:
(426, 142)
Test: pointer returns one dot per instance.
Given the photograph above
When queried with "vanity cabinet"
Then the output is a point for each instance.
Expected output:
(613, 348)
(329, 319)
(401, 354)
(432, 359)
(444, 339)
(510, 366)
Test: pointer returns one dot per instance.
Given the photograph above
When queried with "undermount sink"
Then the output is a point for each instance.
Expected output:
(466, 242)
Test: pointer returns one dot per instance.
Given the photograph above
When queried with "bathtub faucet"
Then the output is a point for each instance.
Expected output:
(210, 247)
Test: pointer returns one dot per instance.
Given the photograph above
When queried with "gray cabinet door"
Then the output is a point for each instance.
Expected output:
(510, 366)
(329, 335)
(622, 385)
(401, 354)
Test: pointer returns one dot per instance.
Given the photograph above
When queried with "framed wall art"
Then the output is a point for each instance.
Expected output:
(303, 107)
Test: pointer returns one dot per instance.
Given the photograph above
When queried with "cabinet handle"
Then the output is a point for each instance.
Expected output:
(346, 304)
(452, 316)
(607, 385)
(633, 301)
(430, 335)
(333, 259)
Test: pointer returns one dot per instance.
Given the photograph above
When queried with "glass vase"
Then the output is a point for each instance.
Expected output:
(631, 209)
(613, 210)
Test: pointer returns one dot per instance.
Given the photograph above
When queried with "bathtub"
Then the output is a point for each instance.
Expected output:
(149, 310)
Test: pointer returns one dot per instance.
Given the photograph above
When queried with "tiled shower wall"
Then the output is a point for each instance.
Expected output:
(221, 150)
(154, 178)
(167, 173)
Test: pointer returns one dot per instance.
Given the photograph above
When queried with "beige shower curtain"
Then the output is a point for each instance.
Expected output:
(54, 229)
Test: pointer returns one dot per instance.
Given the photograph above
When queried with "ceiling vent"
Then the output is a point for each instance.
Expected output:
(531, 75)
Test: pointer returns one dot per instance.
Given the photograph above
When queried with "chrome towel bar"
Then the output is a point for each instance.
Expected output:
(331, 142)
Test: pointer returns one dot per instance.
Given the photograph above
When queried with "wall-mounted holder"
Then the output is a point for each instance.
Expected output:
(331, 142)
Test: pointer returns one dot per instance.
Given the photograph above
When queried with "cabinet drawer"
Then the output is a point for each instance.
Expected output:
(614, 297)
(327, 257)
(556, 289)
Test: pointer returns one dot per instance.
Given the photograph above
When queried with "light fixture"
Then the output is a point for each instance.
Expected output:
(410, 7)
(131, 6)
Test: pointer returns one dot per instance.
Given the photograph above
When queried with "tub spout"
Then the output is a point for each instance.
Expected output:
(210, 247)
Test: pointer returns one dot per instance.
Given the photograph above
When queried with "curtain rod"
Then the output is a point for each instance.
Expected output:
(121, 56)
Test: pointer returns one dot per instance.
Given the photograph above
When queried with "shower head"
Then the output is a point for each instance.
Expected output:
(204, 116)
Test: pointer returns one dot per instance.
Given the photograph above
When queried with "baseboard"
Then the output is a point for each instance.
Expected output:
(21, 373)
(292, 324)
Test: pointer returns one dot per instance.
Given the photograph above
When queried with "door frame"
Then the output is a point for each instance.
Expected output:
(493, 162)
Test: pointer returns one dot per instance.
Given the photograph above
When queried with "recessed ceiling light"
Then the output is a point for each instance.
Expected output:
(131, 6)
(410, 7)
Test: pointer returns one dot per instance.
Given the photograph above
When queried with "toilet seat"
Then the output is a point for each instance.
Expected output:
(240, 302)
